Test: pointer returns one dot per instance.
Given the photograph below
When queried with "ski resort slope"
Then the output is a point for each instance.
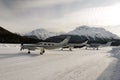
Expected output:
(79, 64)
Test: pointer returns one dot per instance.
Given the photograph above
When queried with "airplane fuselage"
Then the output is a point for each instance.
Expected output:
(45, 45)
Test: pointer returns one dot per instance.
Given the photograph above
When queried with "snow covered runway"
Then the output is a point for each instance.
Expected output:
(79, 64)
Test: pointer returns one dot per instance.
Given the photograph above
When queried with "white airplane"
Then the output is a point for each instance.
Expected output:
(45, 45)
(97, 45)
(72, 45)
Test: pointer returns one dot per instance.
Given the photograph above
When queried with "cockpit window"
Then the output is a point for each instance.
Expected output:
(52, 44)
(45, 44)
(49, 44)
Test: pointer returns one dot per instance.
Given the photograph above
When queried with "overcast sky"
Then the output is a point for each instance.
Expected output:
(59, 15)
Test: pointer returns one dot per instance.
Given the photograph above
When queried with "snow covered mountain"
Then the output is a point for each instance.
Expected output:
(41, 34)
(89, 32)
(93, 32)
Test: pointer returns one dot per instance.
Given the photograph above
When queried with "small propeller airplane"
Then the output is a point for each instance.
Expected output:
(44, 45)
(72, 45)
(97, 45)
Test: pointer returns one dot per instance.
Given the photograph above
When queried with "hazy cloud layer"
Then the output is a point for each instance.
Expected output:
(51, 7)
(31, 14)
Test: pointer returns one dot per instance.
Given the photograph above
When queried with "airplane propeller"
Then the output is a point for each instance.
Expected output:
(21, 47)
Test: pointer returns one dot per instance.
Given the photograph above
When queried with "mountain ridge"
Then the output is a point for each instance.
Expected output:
(93, 32)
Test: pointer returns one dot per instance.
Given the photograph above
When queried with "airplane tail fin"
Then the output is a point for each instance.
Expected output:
(108, 43)
(65, 41)
(85, 43)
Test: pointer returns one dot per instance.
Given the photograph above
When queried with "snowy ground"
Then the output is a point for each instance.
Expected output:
(79, 64)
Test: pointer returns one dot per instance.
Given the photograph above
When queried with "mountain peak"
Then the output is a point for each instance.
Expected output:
(41, 29)
(84, 27)
(42, 33)
(93, 32)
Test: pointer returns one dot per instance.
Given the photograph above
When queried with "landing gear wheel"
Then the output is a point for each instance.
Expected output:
(28, 52)
(97, 48)
(62, 49)
(43, 51)
(70, 49)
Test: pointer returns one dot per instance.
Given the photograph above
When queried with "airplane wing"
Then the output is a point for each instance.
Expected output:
(28, 46)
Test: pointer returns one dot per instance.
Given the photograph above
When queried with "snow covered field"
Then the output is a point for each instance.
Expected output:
(79, 64)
